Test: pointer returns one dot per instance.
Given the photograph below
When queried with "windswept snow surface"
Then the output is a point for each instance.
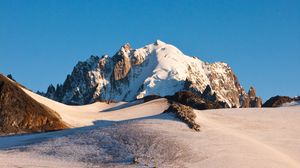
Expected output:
(235, 138)
(78, 116)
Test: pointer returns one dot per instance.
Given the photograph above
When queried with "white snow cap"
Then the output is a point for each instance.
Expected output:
(158, 42)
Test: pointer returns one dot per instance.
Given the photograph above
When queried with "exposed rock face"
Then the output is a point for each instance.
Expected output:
(156, 69)
(278, 101)
(208, 94)
(252, 93)
(50, 91)
(251, 100)
(122, 63)
(257, 102)
(19, 113)
(188, 98)
(185, 113)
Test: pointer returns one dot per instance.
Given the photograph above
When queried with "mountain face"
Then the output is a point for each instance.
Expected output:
(278, 101)
(19, 113)
(156, 69)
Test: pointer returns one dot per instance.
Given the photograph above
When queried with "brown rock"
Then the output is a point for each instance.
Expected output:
(19, 113)
(188, 98)
(245, 101)
(250, 99)
(122, 63)
(185, 113)
(252, 92)
(256, 102)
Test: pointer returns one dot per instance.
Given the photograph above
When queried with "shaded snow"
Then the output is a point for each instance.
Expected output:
(229, 138)
(235, 138)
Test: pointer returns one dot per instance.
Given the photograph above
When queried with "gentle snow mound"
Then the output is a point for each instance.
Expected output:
(85, 115)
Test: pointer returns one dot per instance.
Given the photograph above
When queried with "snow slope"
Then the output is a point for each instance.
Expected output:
(85, 115)
(235, 138)
(251, 137)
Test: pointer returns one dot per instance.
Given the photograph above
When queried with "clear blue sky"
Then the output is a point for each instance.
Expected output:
(41, 41)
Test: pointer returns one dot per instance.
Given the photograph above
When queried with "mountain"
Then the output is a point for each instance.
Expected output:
(278, 101)
(156, 69)
(20, 113)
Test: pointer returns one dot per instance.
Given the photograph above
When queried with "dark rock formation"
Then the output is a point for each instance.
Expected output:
(188, 98)
(185, 114)
(277, 101)
(256, 102)
(19, 113)
(208, 94)
(50, 92)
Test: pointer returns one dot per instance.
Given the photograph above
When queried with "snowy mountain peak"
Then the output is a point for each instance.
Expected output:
(125, 50)
(157, 68)
(159, 42)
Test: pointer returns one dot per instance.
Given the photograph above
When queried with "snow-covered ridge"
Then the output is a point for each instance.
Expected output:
(85, 115)
(158, 68)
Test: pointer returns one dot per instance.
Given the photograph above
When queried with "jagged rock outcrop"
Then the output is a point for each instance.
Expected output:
(50, 92)
(19, 113)
(122, 63)
(251, 100)
(156, 69)
(256, 102)
(184, 113)
(252, 93)
(188, 98)
(208, 94)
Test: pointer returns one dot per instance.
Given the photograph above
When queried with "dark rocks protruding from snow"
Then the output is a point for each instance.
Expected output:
(278, 101)
(50, 92)
(80, 87)
(188, 98)
(185, 113)
(19, 113)
(208, 94)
